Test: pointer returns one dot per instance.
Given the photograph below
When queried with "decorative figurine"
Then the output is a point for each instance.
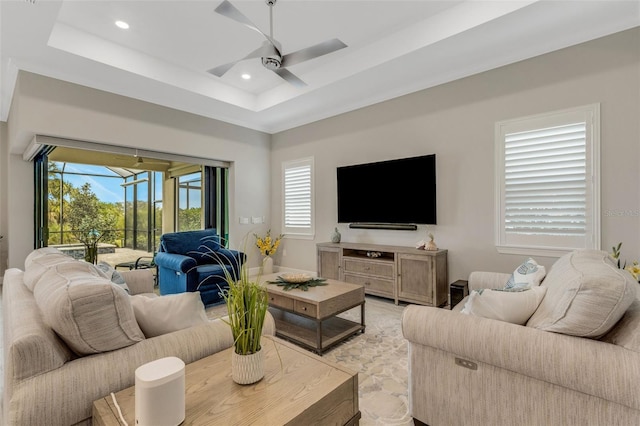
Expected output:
(431, 245)
(335, 237)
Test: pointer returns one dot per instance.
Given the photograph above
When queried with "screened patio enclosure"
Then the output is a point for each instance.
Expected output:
(127, 200)
(133, 197)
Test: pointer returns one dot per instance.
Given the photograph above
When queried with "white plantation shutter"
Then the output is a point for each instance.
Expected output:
(548, 196)
(298, 197)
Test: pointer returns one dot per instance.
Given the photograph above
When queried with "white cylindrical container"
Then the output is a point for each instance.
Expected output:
(160, 393)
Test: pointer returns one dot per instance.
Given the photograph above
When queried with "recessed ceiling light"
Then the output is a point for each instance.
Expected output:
(246, 76)
(122, 24)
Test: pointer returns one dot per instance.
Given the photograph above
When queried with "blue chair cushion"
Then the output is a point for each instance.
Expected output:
(214, 274)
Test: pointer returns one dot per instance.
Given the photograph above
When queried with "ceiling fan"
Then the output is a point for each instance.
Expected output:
(141, 161)
(271, 50)
(137, 161)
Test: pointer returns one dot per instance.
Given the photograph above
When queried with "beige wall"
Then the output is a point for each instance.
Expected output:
(51, 107)
(3, 195)
(456, 122)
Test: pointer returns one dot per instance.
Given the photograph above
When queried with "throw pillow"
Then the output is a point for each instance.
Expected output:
(165, 314)
(39, 261)
(528, 274)
(510, 306)
(114, 276)
(586, 295)
(89, 312)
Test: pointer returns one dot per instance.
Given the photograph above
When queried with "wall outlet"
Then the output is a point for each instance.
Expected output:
(255, 219)
(244, 220)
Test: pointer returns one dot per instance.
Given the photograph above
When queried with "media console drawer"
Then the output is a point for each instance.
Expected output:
(380, 269)
(371, 284)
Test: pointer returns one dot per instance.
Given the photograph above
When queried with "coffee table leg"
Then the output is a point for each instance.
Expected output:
(362, 318)
(319, 337)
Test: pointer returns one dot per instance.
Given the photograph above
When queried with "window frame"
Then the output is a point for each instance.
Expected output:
(590, 115)
(299, 232)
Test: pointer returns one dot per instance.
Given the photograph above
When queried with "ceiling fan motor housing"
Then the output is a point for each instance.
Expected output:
(271, 62)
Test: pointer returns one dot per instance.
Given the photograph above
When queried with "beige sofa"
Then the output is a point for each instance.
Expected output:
(469, 370)
(48, 383)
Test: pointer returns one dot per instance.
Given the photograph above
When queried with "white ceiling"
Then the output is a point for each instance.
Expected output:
(394, 48)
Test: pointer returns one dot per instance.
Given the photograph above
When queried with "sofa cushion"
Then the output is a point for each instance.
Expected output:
(165, 314)
(89, 312)
(527, 275)
(586, 295)
(39, 261)
(510, 306)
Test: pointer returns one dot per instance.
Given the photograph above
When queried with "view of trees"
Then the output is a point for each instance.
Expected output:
(190, 219)
(76, 215)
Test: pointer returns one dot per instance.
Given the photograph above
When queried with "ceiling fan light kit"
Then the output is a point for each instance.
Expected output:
(270, 52)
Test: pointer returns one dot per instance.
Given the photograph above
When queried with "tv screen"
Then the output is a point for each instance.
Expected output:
(388, 192)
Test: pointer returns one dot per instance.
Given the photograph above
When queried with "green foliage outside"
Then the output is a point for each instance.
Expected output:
(80, 215)
(89, 220)
(190, 219)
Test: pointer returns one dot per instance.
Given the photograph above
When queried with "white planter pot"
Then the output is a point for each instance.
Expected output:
(247, 369)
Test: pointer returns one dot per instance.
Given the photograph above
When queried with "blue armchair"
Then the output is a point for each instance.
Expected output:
(195, 261)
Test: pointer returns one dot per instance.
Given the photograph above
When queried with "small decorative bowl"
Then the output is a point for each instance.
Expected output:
(296, 278)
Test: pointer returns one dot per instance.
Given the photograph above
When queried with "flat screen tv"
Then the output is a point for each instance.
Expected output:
(388, 192)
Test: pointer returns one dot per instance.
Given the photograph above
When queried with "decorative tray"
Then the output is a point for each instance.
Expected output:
(296, 278)
(297, 281)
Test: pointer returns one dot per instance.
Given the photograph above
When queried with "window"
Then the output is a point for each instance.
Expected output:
(297, 178)
(547, 185)
(189, 202)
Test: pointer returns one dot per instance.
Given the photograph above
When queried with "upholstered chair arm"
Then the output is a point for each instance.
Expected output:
(481, 279)
(139, 280)
(585, 365)
(175, 262)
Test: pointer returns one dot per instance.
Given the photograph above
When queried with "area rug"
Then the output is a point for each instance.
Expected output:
(380, 358)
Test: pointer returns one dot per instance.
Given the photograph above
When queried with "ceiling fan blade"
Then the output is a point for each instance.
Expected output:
(230, 11)
(289, 77)
(305, 54)
(221, 70)
(266, 49)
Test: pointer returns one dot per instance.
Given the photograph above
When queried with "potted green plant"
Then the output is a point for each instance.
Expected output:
(247, 304)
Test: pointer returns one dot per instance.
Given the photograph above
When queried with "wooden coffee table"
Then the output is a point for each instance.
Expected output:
(304, 389)
(309, 318)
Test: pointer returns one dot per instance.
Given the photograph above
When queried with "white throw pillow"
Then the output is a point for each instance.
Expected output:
(528, 274)
(166, 314)
(510, 306)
